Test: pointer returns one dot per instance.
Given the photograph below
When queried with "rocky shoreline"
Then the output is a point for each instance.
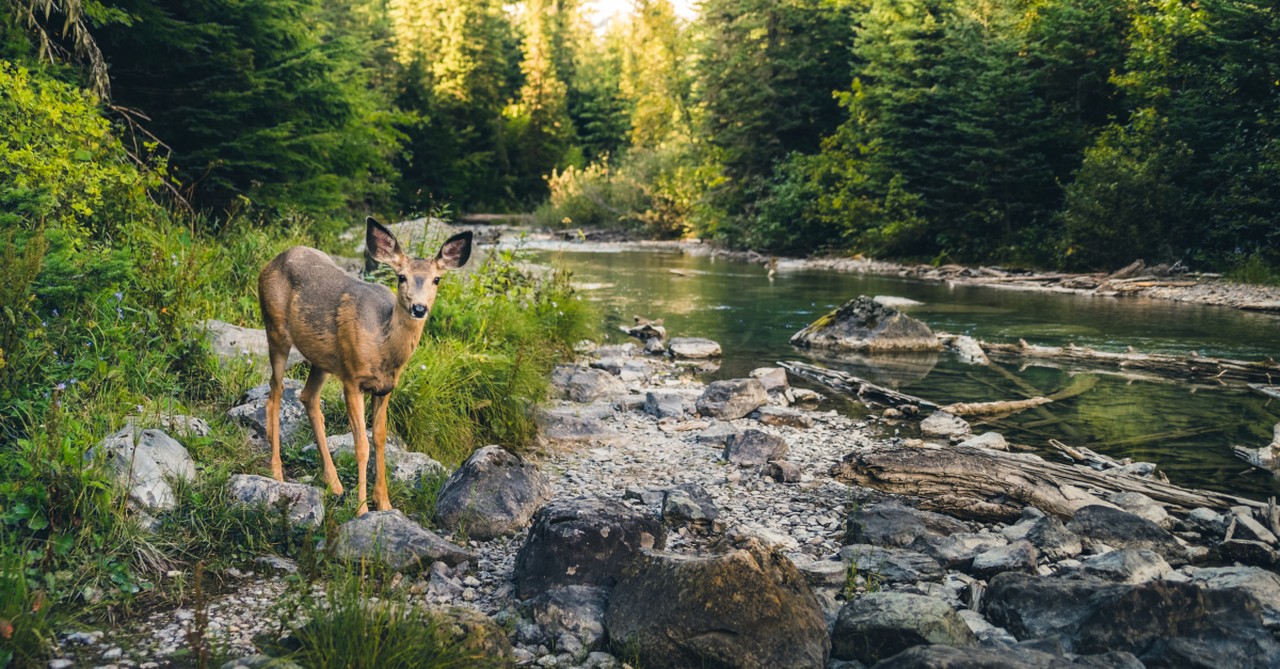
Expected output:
(646, 477)
(1137, 280)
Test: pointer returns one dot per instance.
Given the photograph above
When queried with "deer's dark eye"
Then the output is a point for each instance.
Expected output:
(402, 278)
(435, 281)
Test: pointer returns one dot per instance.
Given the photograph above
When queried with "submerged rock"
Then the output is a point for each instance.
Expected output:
(746, 608)
(863, 324)
(693, 348)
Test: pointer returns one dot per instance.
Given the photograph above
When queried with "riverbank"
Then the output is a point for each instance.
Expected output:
(743, 470)
(1137, 280)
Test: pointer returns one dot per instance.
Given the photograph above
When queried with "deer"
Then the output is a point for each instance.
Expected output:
(357, 331)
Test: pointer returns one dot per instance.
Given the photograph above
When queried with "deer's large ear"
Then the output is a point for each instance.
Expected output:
(380, 245)
(456, 251)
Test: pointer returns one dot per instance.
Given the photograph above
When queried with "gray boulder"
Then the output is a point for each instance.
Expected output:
(493, 494)
(1053, 540)
(402, 465)
(752, 448)
(583, 384)
(1142, 506)
(391, 539)
(302, 504)
(880, 625)
(891, 565)
(582, 541)
(783, 417)
(251, 412)
(693, 348)
(864, 325)
(943, 424)
(783, 471)
(989, 440)
(144, 463)
(688, 504)
(938, 656)
(957, 550)
(668, 403)
(1262, 584)
(1017, 556)
(747, 608)
(773, 378)
(1121, 529)
(571, 426)
(894, 525)
(732, 398)
(1127, 565)
(230, 343)
(576, 609)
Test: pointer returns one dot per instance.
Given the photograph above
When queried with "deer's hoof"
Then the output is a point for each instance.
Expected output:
(364, 508)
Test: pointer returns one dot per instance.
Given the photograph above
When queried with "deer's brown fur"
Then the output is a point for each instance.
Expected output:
(360, 332)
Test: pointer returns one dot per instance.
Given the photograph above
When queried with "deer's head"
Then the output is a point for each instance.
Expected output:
(417, 278)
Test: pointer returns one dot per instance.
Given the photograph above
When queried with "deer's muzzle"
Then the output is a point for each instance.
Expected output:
(418, 311)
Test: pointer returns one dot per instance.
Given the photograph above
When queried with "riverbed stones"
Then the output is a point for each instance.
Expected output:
(669, 403)
(693, 348)
(393, 540)
(1121, 529)
(584, 384)
(1127, 565)
(251, 412)
(494, 493)
(783, 471)
(864, 325)
(783, 417)
(583, 541)
(1208, 522)
(896, 525)
(773, 378)
(891, 565)
(1262, 584)
(880, 625)
(1016, 556)
(732, 398)
(1247, 527)
(572, 426)
(689, 504)
(402, 464)
(145, 462)
(753, 448)
(943, 424)
(991, 440)
(1142, 506)
(576, 609)
(746, 608)
(937, 656)
(303, 505)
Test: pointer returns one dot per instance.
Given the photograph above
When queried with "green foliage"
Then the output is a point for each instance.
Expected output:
(26, 617)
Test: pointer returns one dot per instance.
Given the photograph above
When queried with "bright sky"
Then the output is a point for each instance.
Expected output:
(602, 10)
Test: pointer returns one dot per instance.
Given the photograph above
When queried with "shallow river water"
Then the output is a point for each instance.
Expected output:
(1187, 430)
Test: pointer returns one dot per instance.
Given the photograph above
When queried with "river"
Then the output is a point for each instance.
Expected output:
(1186, 430)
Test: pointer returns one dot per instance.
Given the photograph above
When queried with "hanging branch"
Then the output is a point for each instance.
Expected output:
(37, 14)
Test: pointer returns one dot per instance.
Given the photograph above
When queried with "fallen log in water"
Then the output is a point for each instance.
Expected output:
(1269, 391)
(1191, 367)
(994, 408)
(853, 385)
(988, 485)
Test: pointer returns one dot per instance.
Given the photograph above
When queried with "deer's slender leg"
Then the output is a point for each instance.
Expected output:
(355, 412)
(380, 496)
(311, 400)
(278, 359)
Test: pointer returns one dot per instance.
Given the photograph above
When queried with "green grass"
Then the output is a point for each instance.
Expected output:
(26, 622)
(1255, 269)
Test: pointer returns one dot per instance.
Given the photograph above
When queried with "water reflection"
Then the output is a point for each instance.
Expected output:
(1187, 430)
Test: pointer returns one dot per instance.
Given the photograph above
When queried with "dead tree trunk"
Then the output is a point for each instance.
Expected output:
(988, 485)
(1188, 367)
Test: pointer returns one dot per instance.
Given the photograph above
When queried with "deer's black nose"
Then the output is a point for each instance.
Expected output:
(418, 311)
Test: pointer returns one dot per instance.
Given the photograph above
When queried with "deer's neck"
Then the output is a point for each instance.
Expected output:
(402, 337)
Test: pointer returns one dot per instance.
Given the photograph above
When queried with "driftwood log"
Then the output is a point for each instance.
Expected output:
(854, 386)
(986, 485)
(994, 408)
(1189, 367)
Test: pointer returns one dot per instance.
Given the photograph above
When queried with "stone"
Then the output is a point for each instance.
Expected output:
(1249, 552)
(891, 565)
(943, 424)
(773, 378)
(582, 541)
(576, 609)
(990, 440)
(748, 608)
(1207, 521)
(145, 462)
(783, 471)
(895, 525)
(251, 412)
(1247, 527)
(1163, 623)
(968, 350)
(1053, 540)
(879, 625)
(303, 505)
(1121, 529)
(1017, 556)
(938, 656)
(393, 540)
(494, 493)
(693, 348)
(782, 417)
(716, 435)
(688, 503)
(732, 398)
(957, 550)
(1127, 565)
(230, 343)
(583, 384)
(1262, 584)
(668, 403)
(180, 425)
(568, 426)
(402, 465)
(864, 325)
(475, 634)
(1142, 506)
(753, 448)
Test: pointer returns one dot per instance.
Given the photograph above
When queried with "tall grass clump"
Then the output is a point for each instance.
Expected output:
(484, 362)
(26, 623)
